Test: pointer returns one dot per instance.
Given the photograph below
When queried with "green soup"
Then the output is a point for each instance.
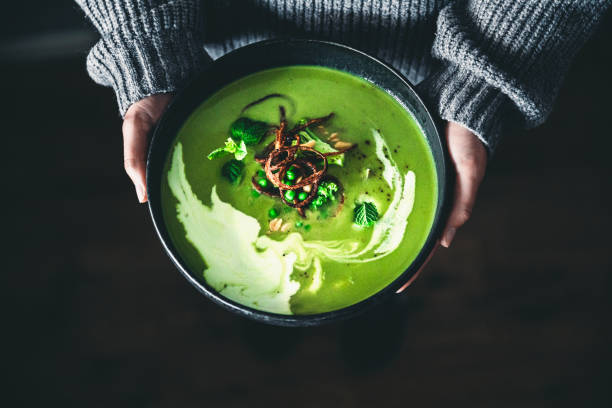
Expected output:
(324, 261)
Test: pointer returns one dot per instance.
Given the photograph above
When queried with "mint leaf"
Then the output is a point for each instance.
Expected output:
(365, 214)
(230, 145)
(249, 131)
(241, 151)
(220, 152)
(232, 170)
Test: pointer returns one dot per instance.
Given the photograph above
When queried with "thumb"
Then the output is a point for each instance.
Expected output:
(136, 127)
(138, 122)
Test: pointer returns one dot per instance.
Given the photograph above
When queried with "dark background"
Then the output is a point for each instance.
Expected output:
(515, 314)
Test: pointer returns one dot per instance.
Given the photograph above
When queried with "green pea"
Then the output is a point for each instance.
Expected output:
(307, 227)
(289, 182)
(290, 175)
(299, 224)
(263, 182)
(302, 196)
(289, 195)
(273, 213)
(255, 193)
(261, 173)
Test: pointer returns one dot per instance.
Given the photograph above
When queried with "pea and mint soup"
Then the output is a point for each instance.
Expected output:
(299, 190)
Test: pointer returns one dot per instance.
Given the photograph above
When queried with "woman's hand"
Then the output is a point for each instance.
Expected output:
(138, 122)
(469, 157)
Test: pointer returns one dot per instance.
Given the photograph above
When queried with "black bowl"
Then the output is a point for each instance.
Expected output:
(278, 53)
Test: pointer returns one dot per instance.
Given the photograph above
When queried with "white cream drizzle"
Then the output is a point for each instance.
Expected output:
(256, 270)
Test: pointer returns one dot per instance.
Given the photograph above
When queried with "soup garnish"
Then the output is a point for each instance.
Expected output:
(294, 164)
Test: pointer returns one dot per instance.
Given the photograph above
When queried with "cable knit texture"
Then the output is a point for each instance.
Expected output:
(502, 62)
(491, 65)
(146, 47)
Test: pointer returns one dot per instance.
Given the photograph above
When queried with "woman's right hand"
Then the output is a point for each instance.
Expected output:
(137, 123)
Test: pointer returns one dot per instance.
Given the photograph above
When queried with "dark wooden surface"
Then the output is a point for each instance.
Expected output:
(515, 314)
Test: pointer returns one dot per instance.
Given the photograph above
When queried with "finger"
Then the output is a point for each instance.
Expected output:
(469, 157)
(136, 127)
(466, 188)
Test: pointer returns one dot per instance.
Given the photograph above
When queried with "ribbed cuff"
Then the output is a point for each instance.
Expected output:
(138, 66)
(461, 97)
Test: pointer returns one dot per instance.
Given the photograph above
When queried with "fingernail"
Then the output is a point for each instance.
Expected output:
(140, 193)
(448, 237)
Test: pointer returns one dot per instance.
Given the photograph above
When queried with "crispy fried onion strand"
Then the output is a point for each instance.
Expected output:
(287, 152)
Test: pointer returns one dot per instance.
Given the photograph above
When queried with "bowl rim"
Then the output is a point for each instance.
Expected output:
(445, 187)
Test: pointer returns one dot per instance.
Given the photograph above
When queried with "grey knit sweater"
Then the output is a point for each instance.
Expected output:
(491, 65)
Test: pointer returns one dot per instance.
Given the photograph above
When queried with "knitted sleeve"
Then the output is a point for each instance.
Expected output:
(502, 62)
(146, 46)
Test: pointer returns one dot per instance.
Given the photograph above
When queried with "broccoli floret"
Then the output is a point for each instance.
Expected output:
(325, 193)
(328, 189)
(318, 202)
